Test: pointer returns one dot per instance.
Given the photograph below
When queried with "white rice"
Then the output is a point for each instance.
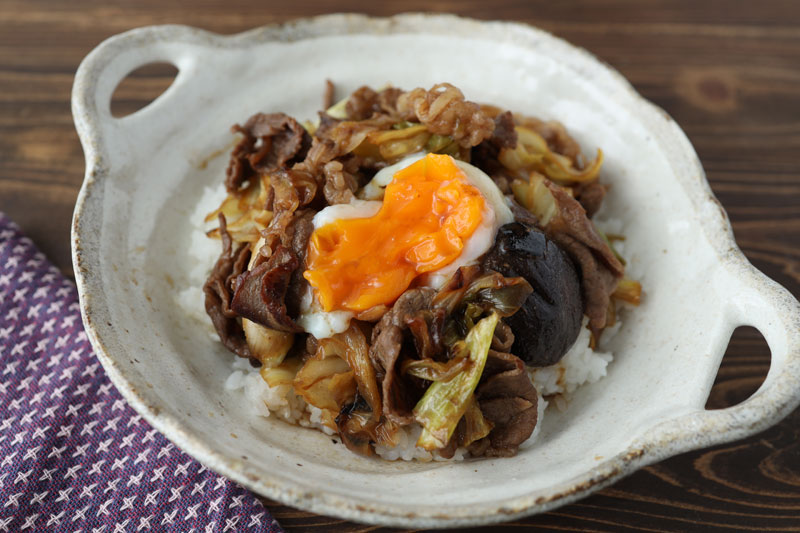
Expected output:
(555, 384)
(203, 253)
(407, 449)
(580, 365)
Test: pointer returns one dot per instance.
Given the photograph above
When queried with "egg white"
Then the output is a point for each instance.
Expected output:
(496, 213)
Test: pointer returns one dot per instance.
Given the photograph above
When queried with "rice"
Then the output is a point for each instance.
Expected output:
(580, 365)
(202, 254)
(407, 450)
(554, 384)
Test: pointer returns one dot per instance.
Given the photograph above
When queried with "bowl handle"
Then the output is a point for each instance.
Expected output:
(110, 62)
(758, 301)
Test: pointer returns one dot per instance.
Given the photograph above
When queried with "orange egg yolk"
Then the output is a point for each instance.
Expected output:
(429, 210)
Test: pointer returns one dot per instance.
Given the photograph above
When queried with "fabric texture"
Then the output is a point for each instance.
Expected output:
(73, 455)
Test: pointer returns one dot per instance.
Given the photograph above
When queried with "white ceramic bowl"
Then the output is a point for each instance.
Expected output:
(143, 178)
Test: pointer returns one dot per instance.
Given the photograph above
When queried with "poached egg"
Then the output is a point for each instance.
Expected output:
(416, 223)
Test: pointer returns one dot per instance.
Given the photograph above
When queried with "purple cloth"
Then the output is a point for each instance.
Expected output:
(74, 456)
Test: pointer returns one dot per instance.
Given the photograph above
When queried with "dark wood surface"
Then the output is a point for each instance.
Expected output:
(727, 70)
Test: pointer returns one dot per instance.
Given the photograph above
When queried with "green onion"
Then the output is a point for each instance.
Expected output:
(339, 109)
(610, 246)
(438, 143)
(445, 402)
(403, 125)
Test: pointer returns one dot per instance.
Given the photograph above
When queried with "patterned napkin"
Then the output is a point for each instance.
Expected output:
(73, 455)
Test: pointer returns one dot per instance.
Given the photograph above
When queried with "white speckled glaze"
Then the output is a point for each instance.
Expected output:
(144, 175)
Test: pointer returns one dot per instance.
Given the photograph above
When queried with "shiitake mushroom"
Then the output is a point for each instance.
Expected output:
(549, 321)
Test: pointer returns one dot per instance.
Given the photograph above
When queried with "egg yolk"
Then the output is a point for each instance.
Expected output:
(429, 210)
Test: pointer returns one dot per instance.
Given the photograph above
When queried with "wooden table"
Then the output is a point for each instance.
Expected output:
(727, 71)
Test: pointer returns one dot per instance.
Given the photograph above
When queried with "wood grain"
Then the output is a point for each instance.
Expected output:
(726, 70)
